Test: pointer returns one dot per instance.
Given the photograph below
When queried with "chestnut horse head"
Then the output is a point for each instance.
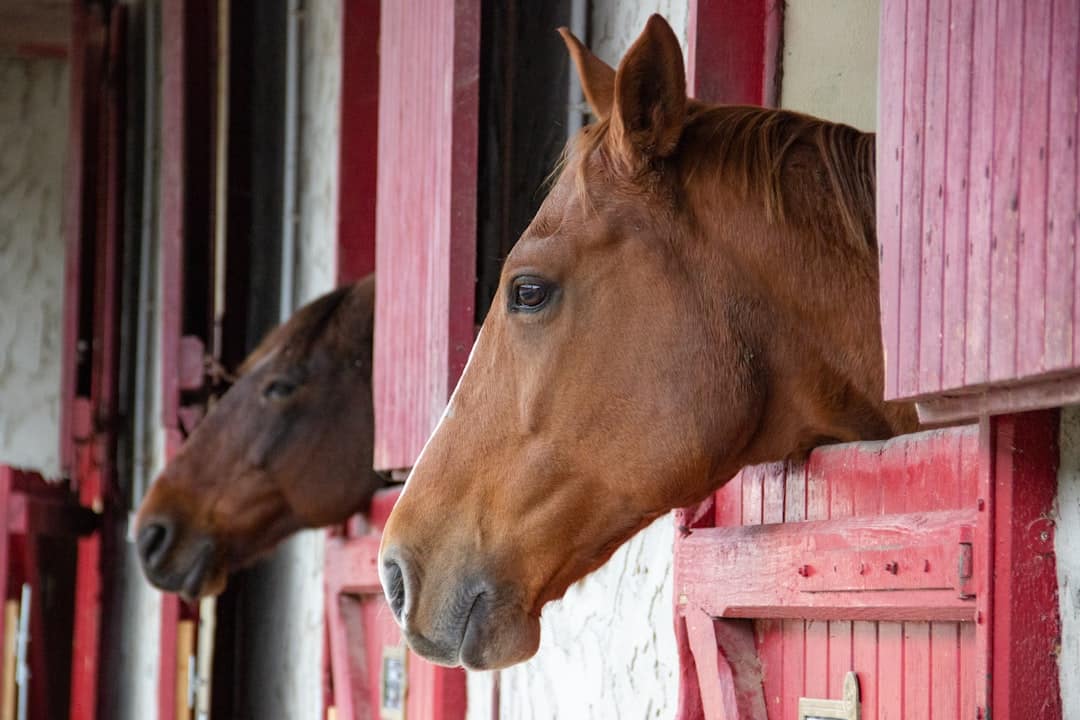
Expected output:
(698, 292)
(288, 446)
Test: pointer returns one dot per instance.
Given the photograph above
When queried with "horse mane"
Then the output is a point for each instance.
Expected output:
(295, 337)
(768, 155)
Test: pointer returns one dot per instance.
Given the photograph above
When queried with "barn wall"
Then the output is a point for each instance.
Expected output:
(33, 140)
(1067, 547)
(286, 639)
(830, 50)
(607, 649)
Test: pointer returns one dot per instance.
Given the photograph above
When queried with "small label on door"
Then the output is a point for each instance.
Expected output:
(394, 685)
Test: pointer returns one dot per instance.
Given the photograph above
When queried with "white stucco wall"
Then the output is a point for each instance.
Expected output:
(1067, 549)
(33, 142)
(607, 649)
(830, 50)
(287, 642)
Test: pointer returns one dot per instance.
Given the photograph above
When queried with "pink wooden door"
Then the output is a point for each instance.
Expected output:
(362, 630)
(425, 217)
(923, 564)
(978, 204)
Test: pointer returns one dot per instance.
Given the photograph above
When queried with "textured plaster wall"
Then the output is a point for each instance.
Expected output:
(1067, 547)
(607, 649)
(830, 60)
(33, 141)
(287, 642)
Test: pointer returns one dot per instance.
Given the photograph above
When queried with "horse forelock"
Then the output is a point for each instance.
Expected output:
(750, 149)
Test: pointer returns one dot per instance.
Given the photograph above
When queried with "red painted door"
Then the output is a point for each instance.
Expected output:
(923, 564)
(978, 204)
(425, 218)
(373, 672)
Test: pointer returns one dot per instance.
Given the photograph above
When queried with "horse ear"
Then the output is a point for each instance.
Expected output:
(597, 77)
(650, 93)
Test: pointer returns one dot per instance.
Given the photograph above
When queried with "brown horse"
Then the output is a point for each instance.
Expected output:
(288, 446)
(697, 293)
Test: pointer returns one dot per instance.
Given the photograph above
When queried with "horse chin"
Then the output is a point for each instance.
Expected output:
(489, 645)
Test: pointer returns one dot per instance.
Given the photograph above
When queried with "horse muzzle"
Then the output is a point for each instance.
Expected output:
(468, 622)
(174, 561)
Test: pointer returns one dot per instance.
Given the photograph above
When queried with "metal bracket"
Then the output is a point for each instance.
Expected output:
(846, 709)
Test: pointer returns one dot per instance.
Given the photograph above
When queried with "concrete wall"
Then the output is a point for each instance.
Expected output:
(286, 644)
(33, 143)
(830, 60)
(1067, 548)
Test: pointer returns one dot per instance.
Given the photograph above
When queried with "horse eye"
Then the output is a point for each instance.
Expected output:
(529, 294)
(278, 390)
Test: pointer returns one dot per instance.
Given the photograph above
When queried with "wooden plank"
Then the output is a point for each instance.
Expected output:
(916, 669)
(890, 164)
(911, 189)
(855, 568)
(753, 495)
(770, 648)
(773, 493)
(1004, 243)
(1026, 627)
(864, 650)
(357, 176)
(1035, 394)
(945, 688)
(957, 168)
(932, 239)
(966, 683)
(1061, 221)
(984, 49)
(890, 672)
(425, 218)
(732, 50)
(1034, 145)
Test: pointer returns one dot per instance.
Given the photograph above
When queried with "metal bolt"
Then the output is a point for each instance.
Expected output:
(1044, 536)
(892, 567)
(804, 570)
(980, 504)
(926, 566)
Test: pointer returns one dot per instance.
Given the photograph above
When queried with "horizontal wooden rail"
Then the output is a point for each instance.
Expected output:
(911, 566)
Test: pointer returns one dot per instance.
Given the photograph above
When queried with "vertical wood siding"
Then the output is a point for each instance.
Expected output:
(425, 217)
(977, 193)
(906, 669)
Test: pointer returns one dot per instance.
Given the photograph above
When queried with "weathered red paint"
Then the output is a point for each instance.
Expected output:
(426, 218)
(360, 626)
(825, 598)
(726, 35)
(359, 144)
(1026, 626)
(977, 201)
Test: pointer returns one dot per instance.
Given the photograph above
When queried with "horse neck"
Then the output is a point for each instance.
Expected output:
(812, 320)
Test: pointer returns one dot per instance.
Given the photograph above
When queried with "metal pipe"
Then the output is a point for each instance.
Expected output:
(289, 173)
(575, 106)
(221, 173)
(147, 259)
(22, 663)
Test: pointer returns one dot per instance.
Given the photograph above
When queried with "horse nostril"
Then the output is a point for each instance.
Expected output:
(394, 587)
(154, 541)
